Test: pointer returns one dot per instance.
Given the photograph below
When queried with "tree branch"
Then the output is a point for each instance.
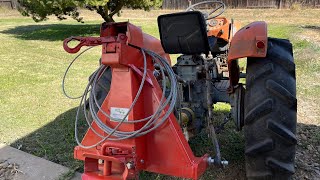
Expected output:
(117, 8)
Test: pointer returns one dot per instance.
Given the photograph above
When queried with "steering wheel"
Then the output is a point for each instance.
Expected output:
(211, 14)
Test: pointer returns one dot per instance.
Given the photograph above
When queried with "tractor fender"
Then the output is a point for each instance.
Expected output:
(250, 41)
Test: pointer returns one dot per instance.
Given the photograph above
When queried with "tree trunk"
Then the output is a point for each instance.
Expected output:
(106, 14)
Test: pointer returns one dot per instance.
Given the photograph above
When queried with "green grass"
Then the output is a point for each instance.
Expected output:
(38, 119)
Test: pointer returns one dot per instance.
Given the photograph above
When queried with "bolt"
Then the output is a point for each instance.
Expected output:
(142, 161)
(157, 66)
(156, 73)
(210, 161)
(122, 37)
(130, 165)
(224, 163)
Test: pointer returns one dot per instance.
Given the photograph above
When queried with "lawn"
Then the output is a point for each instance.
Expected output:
(37, 118)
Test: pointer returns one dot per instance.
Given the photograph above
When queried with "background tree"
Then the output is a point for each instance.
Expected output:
(39, 10)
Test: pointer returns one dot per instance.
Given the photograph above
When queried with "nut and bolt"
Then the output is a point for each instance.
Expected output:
(130, 165)
(224, 163)
(211, 161)
(122, 37)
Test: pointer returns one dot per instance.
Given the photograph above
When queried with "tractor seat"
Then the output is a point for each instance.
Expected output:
(183, 33)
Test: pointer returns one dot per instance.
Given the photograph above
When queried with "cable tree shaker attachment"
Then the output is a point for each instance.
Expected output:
(134, 129)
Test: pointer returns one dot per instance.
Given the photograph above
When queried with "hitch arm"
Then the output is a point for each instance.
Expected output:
(86, 41)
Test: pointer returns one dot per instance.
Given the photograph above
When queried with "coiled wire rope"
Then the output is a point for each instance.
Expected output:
(152, 122)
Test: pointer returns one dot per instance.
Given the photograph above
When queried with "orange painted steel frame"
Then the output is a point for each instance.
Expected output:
(223, 28)
(165, 150)
(250, 41)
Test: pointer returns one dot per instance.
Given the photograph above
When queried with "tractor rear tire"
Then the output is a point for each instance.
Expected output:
(104, 83)
(271, 113)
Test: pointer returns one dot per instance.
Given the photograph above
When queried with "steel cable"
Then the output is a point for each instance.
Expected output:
(161, 114)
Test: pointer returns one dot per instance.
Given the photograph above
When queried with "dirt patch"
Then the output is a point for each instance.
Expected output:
(308, 113)
(8, 170)
(308, 152)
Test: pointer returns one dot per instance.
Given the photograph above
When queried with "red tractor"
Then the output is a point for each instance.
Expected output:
(141, 111)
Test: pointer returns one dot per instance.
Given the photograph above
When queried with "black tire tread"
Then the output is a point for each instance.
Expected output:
(260, 147)
(281, 92)
(104, 83)
(260, 175)
(287, 167)
(259, 111)
(270, 113)
(282, 132)
(268, 69)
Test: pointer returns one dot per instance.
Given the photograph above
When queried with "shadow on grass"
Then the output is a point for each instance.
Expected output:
(53, 32)
(312, 27)
(55, 142)
(232, 149)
